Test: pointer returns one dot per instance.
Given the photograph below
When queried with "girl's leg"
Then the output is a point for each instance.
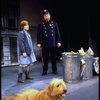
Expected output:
(20, 80)
(27, 70)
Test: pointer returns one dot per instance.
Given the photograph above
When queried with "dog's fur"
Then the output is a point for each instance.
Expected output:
(8, 98)
(56, 90)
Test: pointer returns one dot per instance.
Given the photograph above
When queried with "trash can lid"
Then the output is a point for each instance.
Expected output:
(70, 54)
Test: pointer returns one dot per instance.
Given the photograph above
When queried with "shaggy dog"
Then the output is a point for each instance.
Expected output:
(56, 90)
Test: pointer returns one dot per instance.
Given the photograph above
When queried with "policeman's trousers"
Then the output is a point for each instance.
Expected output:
(49, 53)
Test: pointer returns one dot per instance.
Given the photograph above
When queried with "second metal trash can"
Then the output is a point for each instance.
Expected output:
(71, 67)
(89, 67)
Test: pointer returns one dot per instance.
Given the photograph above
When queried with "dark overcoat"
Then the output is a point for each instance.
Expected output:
(48, 34)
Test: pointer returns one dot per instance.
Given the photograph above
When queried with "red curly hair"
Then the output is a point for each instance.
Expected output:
(23, 23)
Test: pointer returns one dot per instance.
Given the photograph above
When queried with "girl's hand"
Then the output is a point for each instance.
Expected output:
(24, 54)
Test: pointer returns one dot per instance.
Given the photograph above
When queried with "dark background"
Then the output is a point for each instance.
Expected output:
(78, 21)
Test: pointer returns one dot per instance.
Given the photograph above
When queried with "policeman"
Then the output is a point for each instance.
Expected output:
(48, 38)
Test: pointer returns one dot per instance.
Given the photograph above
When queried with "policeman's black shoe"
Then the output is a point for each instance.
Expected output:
(44, 74)
(55, 73)
(29, 78)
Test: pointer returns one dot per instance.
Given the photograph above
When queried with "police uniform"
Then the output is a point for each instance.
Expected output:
(48, 36)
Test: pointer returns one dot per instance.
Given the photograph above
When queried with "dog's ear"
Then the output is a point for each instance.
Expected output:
(50, 86)
(50, 89)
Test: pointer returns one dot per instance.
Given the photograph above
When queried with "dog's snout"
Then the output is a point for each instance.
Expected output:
(65, 90)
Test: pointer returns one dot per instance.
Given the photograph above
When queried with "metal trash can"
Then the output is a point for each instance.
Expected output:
(71, 67)
(88, 72)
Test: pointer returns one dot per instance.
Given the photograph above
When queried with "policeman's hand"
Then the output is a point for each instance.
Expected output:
(58, 45)
(24, 54)
(39, 45)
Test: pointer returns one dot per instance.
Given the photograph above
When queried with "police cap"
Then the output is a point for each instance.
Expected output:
(46, 12)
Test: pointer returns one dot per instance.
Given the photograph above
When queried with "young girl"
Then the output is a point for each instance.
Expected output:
(26, 53)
